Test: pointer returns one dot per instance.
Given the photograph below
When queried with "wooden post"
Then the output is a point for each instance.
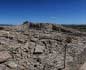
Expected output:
(65, 49)
(68, 40)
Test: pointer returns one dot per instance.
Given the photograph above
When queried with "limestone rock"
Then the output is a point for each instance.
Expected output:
(39, 49)
(83, 67)
(4, 56)
(2, 67)
(12, 65)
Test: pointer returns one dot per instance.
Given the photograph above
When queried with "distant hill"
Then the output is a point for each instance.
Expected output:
(6, 25)
(78, 27)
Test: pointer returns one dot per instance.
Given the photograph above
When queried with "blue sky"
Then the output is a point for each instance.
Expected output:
(54, 11)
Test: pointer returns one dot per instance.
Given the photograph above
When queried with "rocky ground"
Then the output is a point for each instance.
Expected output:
(42, 47)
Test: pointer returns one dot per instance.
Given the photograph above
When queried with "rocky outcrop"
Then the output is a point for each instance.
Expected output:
(41, 47)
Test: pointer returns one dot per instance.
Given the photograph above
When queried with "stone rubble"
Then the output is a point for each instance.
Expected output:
(41, 47)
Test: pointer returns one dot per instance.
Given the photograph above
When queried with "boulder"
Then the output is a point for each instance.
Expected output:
(4, 56)
(12, 65)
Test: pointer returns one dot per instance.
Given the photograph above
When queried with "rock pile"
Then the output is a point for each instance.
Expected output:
(41, 47)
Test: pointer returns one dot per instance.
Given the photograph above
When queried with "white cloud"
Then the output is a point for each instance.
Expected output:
(53, 17)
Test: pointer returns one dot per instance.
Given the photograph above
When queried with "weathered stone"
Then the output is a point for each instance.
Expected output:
(39, 49)
(12, 64)
(2, 67)
(4, 56)
(33, 39)
(83, 67)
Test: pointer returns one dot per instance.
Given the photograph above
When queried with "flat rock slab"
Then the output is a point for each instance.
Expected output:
(4, 56)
